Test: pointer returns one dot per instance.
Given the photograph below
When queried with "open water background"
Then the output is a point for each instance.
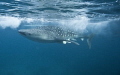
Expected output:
(20, 56)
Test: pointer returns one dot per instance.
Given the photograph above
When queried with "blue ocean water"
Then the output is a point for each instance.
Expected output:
(20, 56)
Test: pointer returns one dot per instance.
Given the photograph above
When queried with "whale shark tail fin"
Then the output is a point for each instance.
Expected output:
(89, 40)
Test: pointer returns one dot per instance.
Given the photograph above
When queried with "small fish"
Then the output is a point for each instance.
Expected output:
(54, 34)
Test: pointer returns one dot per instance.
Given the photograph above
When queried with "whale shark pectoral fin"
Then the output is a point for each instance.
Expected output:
(68, 41)
(65, 42)
(75, 42)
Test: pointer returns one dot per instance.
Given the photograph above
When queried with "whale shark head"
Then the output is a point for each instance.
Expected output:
(36, 34)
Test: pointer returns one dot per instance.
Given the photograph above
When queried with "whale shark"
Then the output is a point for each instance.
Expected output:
(54, 34)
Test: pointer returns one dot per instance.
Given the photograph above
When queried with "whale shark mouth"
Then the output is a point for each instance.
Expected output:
(22, 33)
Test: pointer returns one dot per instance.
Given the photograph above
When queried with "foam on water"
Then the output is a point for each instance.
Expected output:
(78, 19)
(78, 23)
(8, 21)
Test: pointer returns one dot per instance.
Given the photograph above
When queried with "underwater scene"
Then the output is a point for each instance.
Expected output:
(59, 37)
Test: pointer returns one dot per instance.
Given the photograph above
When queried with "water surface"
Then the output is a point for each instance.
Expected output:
(20, 56)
